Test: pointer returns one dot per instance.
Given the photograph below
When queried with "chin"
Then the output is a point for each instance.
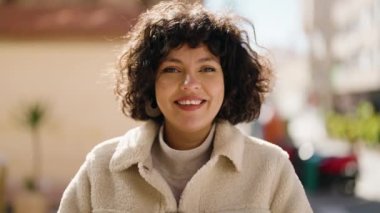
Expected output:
(193, 126)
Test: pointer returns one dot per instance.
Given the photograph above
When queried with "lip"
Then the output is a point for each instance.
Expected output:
(190, 106)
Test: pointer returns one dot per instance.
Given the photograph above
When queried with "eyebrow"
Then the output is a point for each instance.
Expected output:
(204, 59)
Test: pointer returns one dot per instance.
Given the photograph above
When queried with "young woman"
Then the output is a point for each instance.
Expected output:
(191, 75)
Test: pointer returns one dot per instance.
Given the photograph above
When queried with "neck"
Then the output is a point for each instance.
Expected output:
(182, 140)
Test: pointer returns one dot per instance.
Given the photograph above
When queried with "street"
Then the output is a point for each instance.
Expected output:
(334, 202)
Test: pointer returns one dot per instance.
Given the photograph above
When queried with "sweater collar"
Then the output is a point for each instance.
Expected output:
(182, 156)
(135, 146)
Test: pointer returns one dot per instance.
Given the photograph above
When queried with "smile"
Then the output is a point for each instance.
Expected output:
(189, 102)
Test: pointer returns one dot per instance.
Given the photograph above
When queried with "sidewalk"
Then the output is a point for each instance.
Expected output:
(327, 202)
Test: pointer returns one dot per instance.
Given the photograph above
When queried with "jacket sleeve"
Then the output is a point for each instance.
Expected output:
(76, 197)
(289, 195)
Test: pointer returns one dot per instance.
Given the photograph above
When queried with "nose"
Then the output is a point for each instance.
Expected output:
(190, 83)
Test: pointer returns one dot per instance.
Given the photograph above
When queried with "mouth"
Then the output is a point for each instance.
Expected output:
(190, 104)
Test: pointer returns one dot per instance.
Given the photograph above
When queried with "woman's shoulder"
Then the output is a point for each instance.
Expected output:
(251, 149)
(136, 138)
(263, 155)
(104, 150)
(230, 134)
(254, 144)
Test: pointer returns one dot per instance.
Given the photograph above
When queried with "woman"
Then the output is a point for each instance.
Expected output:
(191, 75)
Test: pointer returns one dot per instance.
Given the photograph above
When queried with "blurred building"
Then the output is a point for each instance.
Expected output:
(69, 18)
(80, 3)
(344, 38)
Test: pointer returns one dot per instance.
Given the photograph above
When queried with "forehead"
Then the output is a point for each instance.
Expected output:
(185, 52)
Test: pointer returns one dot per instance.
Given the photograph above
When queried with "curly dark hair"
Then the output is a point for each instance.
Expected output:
(168, 25)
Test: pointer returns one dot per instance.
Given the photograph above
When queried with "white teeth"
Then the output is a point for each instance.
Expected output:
(190, 102)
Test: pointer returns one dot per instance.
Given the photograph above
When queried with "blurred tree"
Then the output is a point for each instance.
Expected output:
(32, 117)
(362, 125)
(2, 184)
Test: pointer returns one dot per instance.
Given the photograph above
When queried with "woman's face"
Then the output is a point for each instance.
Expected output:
(189, 88)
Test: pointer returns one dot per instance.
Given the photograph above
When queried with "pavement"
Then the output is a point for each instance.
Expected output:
(328, 200)
(334, 202)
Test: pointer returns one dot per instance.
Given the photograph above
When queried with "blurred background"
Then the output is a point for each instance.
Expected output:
(57, 100)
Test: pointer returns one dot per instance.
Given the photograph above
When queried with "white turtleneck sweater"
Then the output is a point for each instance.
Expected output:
(178, 166)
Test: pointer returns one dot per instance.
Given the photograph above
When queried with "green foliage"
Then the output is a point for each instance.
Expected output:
(30, 184)
(363, 125)
(33, 115)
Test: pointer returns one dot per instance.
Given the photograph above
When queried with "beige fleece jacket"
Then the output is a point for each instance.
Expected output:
(244, 174)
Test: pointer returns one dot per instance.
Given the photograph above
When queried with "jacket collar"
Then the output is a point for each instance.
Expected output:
(229, 142)
(135, 146)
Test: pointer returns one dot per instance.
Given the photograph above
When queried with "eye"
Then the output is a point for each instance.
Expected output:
(208, 69)
(170, 70)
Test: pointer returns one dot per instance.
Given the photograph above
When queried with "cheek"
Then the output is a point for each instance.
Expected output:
(159, 89)
(219, 87)
(162, 90)
(216, 87)
(166, 82)
(161, 85)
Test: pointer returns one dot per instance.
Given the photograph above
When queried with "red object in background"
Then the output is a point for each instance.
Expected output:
(292, 152)
(274, 130)
(339, 165)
